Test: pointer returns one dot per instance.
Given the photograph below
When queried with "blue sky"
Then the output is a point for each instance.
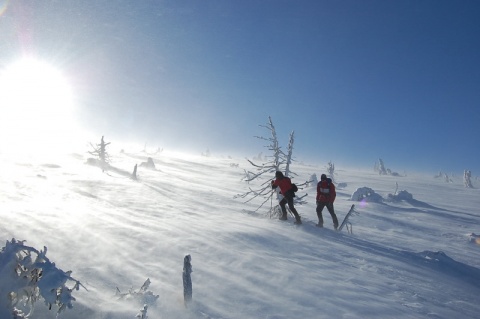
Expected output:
(355, 80)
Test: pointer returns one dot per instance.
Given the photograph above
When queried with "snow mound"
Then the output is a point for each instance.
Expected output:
(341, 185)
(148, 164)
(366, 194)
(439, 261)
(401, 195)
(435, 256)
(474, 238)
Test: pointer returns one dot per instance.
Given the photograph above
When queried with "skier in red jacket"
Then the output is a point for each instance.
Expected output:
(325, 197)
(286, 190)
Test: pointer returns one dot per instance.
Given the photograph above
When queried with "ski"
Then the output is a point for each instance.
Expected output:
(345, 220)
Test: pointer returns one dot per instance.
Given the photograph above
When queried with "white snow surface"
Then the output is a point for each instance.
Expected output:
(415, 259)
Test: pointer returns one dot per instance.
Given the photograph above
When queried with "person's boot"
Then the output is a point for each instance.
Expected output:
(320, 220)
(297, 216)
(298, 221)
(335, 221)
(283, 217)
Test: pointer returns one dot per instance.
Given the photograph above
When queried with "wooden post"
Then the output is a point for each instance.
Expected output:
(187, 280)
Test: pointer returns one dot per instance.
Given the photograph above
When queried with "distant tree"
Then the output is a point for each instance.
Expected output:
(134, 173)
(159, 150)
(259, 157)
(264, 172)
(100, 151)
(382, 170)
(331, 170)
(447, 179)
(467, 179)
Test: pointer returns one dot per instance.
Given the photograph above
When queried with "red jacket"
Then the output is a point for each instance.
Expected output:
(326, 193)
(285, 184)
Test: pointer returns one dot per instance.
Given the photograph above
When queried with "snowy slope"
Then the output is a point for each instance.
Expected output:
(404, 260)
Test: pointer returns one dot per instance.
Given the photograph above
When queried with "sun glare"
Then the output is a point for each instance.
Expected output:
(3, 6)
(36, 105)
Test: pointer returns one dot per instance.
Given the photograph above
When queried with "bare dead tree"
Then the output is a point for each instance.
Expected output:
(262, 172)
(100, 151)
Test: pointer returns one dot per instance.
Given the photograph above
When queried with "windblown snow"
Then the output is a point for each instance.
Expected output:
(414, 257)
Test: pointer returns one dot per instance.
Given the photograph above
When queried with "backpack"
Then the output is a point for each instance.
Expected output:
(294, 188)
(329, 181)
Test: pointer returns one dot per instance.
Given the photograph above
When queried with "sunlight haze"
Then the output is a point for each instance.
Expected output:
(36, 105)
(356, 80)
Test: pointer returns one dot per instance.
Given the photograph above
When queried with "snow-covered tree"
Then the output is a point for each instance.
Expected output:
(467, 179)
(142, 296)
(382, 170)
(331, 171)
(380, 167)
(447, 178)
(313, 180)
(143, 313)
(27, 275)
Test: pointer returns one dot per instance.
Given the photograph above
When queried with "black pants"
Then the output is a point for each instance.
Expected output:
(288, 200)
(320, 207)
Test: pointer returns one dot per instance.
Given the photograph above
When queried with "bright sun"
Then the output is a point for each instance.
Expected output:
(36, 105)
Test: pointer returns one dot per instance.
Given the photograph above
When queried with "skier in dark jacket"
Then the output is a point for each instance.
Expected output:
(286, 190)
(325, 197)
